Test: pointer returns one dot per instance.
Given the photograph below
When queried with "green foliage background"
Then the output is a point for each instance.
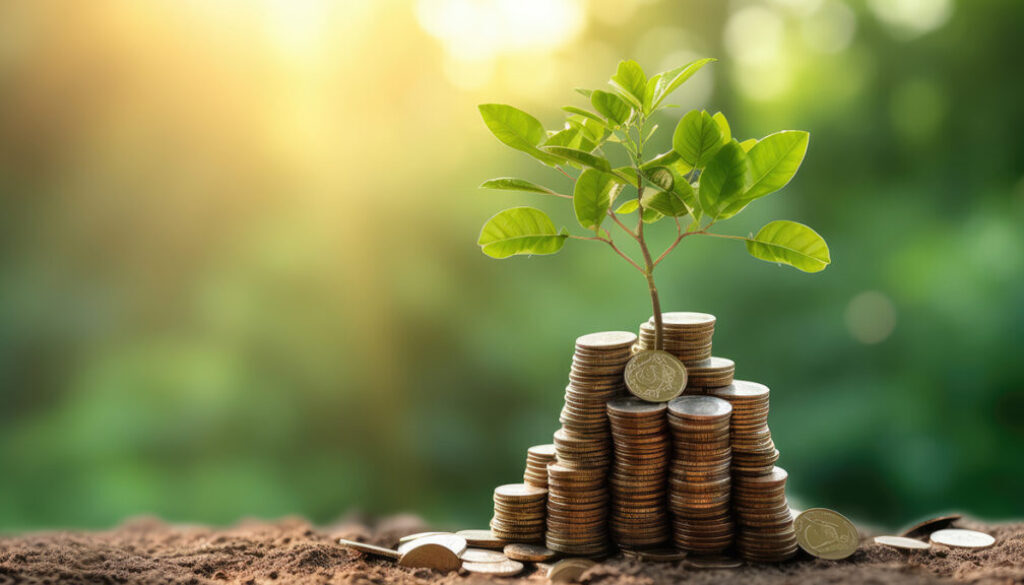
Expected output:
(241, 280)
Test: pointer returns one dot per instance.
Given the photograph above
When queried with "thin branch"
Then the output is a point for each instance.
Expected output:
(561, 170)
(611, 243)
(625, 228)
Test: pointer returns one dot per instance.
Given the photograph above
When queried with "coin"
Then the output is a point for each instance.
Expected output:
(369, 548)
(453, 542)
(931, 525)
(712, 562)
(902, 542)
(409, 537)
(660, 555)
(568, 570)
(430, 556)
(961, 538)
(504, 568)
(529, 552)
(606, 340)
(481, 538)
(482, 555)
(826, 534)
(655, 376)
(639, 516)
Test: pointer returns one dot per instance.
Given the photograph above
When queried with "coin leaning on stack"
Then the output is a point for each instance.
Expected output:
(537, 459)
(753, 451)
(577, 519)
(519, 513)
(765, 522)
(699, 480)
(685, 335)
(639, 517)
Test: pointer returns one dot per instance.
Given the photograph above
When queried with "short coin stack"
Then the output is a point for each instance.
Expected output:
(753, 451)
(577, 521)
(519, 513)
(639, 517)
(537, 459)
(686, 335)
(713, 372)
(765, 521)
(699, 481)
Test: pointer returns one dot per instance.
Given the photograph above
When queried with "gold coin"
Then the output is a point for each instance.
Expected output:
(826, 534)
(655, 376)
(369, 548)
(712, 562)
(430, 556)
(453, 542)
(409, 537)
(961, 538)
(606, 340)
(529, 552)
(481, 538)
(931, 525)
(902, 542)
(568, 570)
(482, 555)
(504, 568)
(520, 492)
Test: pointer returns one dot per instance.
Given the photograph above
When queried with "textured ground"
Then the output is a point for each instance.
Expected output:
(292, 551)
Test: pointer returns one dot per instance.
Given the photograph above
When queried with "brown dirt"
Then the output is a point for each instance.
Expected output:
(292, 551)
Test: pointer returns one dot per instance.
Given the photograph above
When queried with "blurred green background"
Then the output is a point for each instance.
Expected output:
(238, 272)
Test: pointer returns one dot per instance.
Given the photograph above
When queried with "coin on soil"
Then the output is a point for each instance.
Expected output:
(655, 376)
(369, 548)
(902, 542)
(409, 537)
(931, 525)
(712, 562)
(826, 534)
(504, 568)
(567, 570)
(482, 555)
(430, 556)
(453, 542)
(529, 552)
(481, 539)
(961, 538)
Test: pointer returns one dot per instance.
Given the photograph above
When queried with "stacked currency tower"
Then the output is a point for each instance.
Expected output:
(695, 474)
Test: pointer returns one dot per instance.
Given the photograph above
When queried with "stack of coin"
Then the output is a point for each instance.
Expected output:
(519, 513)
(713, 372)
(685, 335)
(639, 517)
(577, 520)
(537, 459)
(699, 480)
(753, 451)
(765, 523)
(596, 377)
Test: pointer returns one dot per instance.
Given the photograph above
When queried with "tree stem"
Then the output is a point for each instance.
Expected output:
(648, 261)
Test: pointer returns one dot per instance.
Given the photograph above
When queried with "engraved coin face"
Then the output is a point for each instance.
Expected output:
(902, 542)
(655, 376)
(826, 534)
(429, 555)
(482, 555)
(504, 568)
(962, 538)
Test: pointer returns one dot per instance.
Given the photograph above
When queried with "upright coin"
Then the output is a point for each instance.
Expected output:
(902, 542)
(961, 538)
(370, 549)
(655, 376)
(826, 534)
(453, 542)
(568, 570)
(430, 556)
(931, 525)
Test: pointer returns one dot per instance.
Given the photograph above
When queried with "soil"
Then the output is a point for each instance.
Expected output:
(292, 551)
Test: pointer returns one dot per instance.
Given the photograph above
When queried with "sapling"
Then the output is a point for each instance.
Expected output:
(706, 178)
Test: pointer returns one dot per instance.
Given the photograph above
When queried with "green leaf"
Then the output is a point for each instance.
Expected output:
(517, 129)
(520, 230)
(747, 144)
(662, 177)
(684, 190)
(595, 191)
(774, 160)
(625, 175)
(697, 138)
(571, 137)
(671, 80)
(723, 126)
(669, 159)
(628, 207)
(514, 184)
(790, 243)
(630, 78)
(666, 203)
(724, 180)
(579, 157)
(610, 106)
(593, 131)
(651, 215)
(584, 92)
(584, 113)
(649, 91)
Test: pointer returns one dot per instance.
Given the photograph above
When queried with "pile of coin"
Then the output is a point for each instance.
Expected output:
(685, 335)
(763, 517)
(519, 513)
(713, 372)
(640, 434)
(753, 451)
(699, 480)
(577, 520)
(537, 459)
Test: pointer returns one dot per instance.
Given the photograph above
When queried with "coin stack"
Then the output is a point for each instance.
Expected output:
(537, 459)
(639, 517)
(713, 372)
(765, 522)
(686, 335)
(699, 481)
(577, 520)
(519, 513)
(753, 451)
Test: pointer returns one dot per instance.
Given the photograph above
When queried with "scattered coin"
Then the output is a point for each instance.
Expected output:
(482, 555)
(429, 555)
(961, 538)
(370, 549)
(931, 525)
(504, 568)
(529, 552)
(453, 542)
(902, 542)
(409, 537)
(568, 570)
(655, 375)
(826, 534)
(481, 539)
(712, 562)
(658, 555)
